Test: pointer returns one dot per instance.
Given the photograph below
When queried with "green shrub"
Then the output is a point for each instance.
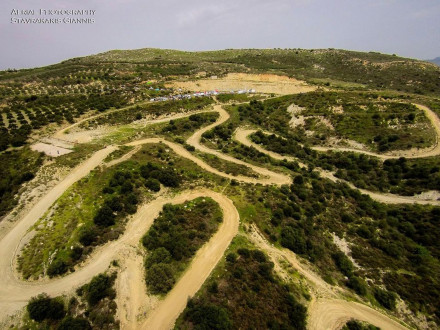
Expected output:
(344, 264)
(259, 255)
(358, 285)
(189, 147)
(208, 316)
(88, 235)
(152, 184)
(231, 257)
(43, 307)
(99, 288)
(293, 239)
(297, 312)
(247, 295)
(76, 253)
(160, 278)
(385, 298)
(71, 323)
(104, 217)
(157, 256)
(57, 267)
(355, 325)
(245, 253)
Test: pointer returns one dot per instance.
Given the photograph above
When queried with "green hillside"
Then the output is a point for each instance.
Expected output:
(372, 69)
(333, 185)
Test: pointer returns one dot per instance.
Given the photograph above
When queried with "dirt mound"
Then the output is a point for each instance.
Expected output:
(261, 83)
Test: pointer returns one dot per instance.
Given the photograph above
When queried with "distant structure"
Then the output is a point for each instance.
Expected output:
(199, 94)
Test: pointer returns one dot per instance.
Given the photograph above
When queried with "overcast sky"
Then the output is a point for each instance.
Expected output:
(409, 28)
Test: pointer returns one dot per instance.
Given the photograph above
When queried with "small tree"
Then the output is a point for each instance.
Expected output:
(104, 217)
(99, 288)
(385, 298)
(43, 307)
(160, 278)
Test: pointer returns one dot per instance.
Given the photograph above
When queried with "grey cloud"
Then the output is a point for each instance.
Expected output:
(405, 27)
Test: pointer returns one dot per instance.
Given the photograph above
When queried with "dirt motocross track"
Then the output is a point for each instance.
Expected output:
(328, 313)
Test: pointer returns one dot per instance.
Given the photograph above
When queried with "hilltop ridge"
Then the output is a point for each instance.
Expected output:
(435, 60)
(317, 66)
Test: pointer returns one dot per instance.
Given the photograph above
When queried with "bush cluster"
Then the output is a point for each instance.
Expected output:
(174, 238)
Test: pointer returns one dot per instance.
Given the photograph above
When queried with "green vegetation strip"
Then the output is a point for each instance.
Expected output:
(17, 167)
(174, 238)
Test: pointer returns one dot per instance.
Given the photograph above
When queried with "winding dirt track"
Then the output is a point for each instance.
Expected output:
(242, 136)
(204, 262)
(14, 293)
(61, 134)
(269, 177)
(334, 313)
(326, 311)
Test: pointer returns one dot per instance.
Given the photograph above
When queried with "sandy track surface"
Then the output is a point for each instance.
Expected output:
(194, 140)
(334, 313)
(164, 316)
(15, 293)
(242, 135)
(326, 311)
(320, 286)
(131, 295)
(125, 157)
(86, 136)
(61, 134)
(272, 177)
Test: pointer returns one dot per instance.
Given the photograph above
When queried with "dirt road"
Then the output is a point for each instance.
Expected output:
(164, 316)
(334, 313)
(242, 135)
(269, 177)
(14, 293)
(88, 135)
(276, 255)
(326, 311)
(125, 157)
(194, 140)
(60, 135)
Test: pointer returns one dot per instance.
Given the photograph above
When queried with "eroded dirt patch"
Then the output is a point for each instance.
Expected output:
(261, 83)
(50, 150)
